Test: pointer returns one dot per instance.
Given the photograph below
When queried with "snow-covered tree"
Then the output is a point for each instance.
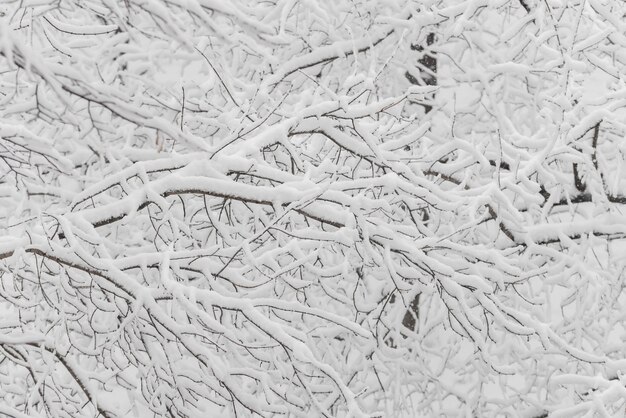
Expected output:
(307, 208)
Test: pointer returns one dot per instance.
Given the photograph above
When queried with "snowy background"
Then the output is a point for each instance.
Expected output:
(354, 208)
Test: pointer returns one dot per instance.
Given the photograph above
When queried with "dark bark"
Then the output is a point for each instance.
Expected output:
(411, 314)
(525, 5)
(580, 185)
(426, 67)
